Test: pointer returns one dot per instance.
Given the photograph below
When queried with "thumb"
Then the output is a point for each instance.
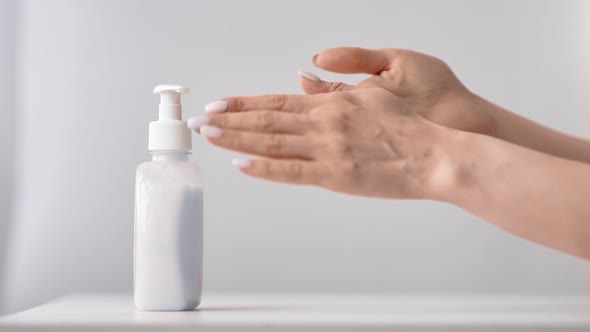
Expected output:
(312, 84)
(354, 60)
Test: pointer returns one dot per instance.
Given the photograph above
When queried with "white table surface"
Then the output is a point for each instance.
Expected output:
(291, 312)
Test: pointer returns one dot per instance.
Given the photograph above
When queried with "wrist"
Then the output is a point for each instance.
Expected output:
(449, 172)
(488, 111)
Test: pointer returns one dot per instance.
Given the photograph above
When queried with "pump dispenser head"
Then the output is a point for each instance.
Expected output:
(169, 132)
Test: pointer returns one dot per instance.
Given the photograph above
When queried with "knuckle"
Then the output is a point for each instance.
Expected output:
(295, 171)
(264, 121)
(277, 101)
(219, 120)
(235, 104)
(339, 121)
(266, 168)
(276, 144)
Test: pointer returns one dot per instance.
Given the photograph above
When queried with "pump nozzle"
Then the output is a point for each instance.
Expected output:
(170, 106)
(169, 132)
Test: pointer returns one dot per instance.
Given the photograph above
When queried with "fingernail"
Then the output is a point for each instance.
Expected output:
(216, 106)
(196, 122)
(210, 131)
(241, 162)
(314, 59)
(308, 75)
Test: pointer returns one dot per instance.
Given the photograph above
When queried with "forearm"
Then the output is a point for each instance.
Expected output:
(516, 129)
(533, 195)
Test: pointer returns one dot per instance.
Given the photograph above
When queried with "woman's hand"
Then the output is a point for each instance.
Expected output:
(428, 87)
(364, 142)
(426, 84)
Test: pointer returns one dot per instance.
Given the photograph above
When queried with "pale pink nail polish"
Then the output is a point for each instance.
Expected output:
(210, 131)
(241, 162)
(217, 106)
(196, 122)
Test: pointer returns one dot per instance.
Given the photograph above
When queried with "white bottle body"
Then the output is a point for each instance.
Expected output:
(168, 245)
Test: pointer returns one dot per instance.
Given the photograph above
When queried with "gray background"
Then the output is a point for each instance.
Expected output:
(75, 127)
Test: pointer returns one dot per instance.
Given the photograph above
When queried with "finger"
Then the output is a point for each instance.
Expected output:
(312, 84)
(262, 144)
(257, 121)
(286, 171)
(354, 60)
(280, 102)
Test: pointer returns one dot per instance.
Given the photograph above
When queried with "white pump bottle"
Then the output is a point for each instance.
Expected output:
(168, 249)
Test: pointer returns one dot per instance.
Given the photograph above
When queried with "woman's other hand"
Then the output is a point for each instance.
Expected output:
(425, 83)
(362, 141)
